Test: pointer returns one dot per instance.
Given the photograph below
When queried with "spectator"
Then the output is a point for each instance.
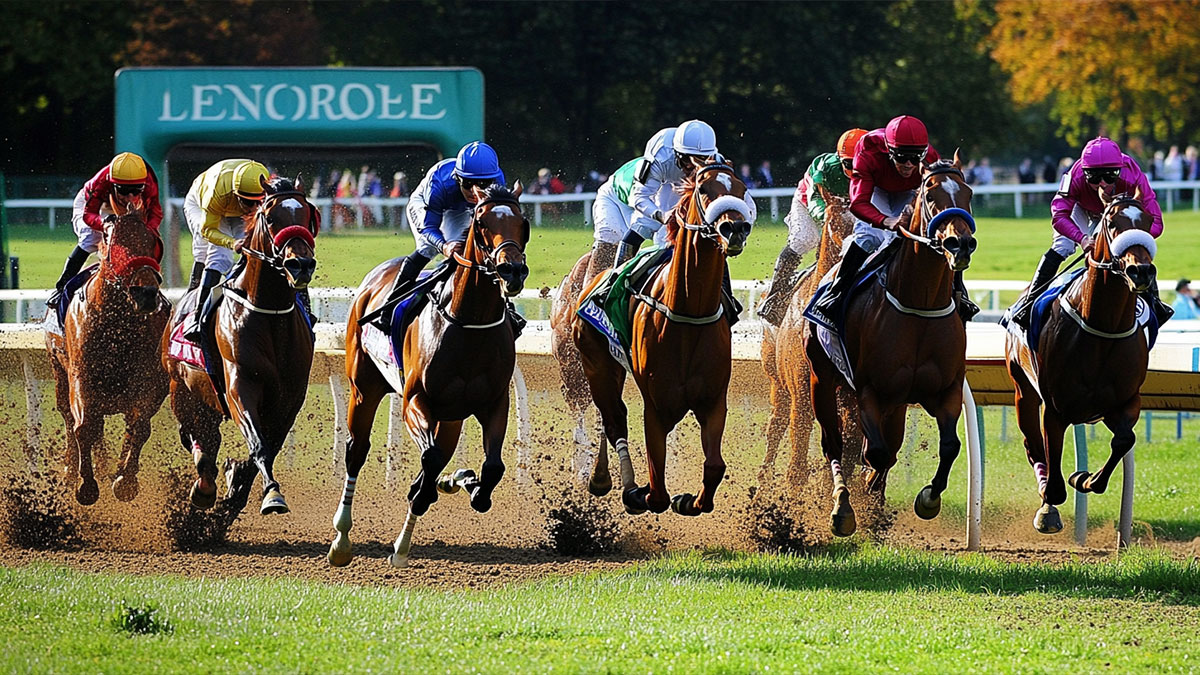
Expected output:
(1158, 166)
(399, 185)
(1172, 168)
(983, 173)
(745, 177)
(1025, 174)
(763, 176)
(591, 182)
(1049, 170)
(1186, 305)
(1064, 167)
(1190, 170)
(541, 185)
(969, 173)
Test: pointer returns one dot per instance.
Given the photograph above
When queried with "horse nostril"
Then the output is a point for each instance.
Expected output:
(971, 245)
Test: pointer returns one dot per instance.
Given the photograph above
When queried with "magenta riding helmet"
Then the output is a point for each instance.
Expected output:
(906, 131)
(1101, 152)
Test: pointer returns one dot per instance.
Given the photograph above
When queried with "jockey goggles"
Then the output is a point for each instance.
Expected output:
(129, 189)
(907, 156)
(848, 164)
(1107, 175)
(468, 183)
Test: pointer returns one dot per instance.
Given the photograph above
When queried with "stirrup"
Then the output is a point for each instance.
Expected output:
(55, 298)
(966, 307)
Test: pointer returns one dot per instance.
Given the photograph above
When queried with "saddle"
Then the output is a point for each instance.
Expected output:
(873, 267)
(69, 290)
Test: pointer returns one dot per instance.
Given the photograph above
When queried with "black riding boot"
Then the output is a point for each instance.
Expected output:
(848, 269)
(783, 282)
(197, 272)
(967, 309)
(74, 263)
(514, 317)
(733, 308)
(195, 329)
(1162, 311)
(1046, 270)
(405, 279)
(628, 248)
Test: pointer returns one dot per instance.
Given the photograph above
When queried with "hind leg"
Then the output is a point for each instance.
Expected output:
(929, 500)
(823, 383)
(62, 401)
(777, 423)
(438, 441)
(800, 426)
(606, 379)
(1121, 425)
(367, 389)
(495, 424)
(137, 432)
(200, 435)
(877, 455)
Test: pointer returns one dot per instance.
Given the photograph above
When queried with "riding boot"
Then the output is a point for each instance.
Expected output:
(1046, 270)
(204, 307)
(405, 279)
(1162, 311)
(628, 248)
(197, 271)
(514, 317)
(783, 282)
(74, 263)
(967, 309)
(847, 270)
(604, 255)
(733, 308)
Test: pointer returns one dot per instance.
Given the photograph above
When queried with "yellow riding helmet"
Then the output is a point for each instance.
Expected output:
(127, 168)
(246, 180)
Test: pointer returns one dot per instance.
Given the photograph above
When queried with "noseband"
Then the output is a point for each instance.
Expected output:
(1115, 264)
(935, 220)
(279, 240)
(490, 262)
(708, 228)
(127, 267)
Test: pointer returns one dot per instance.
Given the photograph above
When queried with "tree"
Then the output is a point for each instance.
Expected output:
(1121, 68)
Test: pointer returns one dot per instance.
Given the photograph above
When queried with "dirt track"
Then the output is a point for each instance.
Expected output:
(454, 547)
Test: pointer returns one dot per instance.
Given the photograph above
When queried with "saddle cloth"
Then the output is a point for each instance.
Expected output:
(606, 307)
(55, 320)
(386, 350)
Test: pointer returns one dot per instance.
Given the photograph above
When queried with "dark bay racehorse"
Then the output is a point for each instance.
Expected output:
(680, 349)
(906, 345)
(266, 349)
(786, 364)
(1091, 358)
(106, 361)
(459, 354)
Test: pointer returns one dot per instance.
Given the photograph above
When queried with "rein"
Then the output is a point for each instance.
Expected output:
(280, 239)
(128, 266)
(489, 265)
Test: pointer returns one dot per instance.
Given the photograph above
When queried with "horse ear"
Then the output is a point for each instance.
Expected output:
(299, 183)
(957, 161)
(262, 180)
(518, 189)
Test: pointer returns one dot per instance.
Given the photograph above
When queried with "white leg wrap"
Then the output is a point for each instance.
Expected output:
(627, 478)
(341, 519)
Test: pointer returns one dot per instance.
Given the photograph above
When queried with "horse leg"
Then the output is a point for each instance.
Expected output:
(929, 499)
(1046, 520)
(137, 432)
(777, 424)
(1053, 429)
(607, 387)
(654, 497)
(434, 458)
(712, 429)
(366, 392)
(800, 425)
(246, 401)
(62, 401)
(495, 424)
(89, 432)
(877, 456)
(825, 409)
(601, 481)
(1121, 425)
(200, 435)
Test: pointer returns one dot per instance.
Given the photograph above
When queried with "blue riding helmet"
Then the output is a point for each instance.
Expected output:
(477, 161)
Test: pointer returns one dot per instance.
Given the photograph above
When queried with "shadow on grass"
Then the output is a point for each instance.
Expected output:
(1137, 574)
(482, 554)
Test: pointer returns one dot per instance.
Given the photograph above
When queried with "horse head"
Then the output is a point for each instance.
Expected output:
(943, 213)
(838, 224)
(717, 208)
(1124, 244)
(282, 231)
(500, 232)
(130, 254)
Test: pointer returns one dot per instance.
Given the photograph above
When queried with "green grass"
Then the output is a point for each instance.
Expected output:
(846, 611)
(1009, 248)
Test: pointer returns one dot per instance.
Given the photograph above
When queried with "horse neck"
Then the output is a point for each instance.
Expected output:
(264, 285)
(827, 255)
(1104, 301)
(919, 277)
(693, 279)
(476, 298)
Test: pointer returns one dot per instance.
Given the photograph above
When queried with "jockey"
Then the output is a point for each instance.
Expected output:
(1076, 210)
(439, 212)
(215, 208)
(125, 180)
(885, 179)
(612, 216)
(830, 170)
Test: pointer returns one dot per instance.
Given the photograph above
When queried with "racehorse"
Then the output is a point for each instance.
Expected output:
(1091, 358)
(105, 361)
(265, 345)
(786, 364)
(458, 358)
(905, 344)
(680, 347)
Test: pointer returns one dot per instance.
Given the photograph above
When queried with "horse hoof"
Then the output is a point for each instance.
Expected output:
(341, 552)
(446, 484)
(600, 484)
(125, 488)
(1078, 480)
(87, 493)
(926, 506)
(398, 560)
(634, 500)
(685, 505)
(273, 503)
(1047, 520)
(482, 503)
(842, 521)
(200, 499)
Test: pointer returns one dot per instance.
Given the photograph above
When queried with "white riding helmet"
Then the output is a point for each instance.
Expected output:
(694, 137)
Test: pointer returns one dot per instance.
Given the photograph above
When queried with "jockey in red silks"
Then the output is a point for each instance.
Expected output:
(126, 179)
(1076, 210)
(884, 181)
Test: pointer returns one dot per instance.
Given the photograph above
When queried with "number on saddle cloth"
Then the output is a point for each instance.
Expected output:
(70, 289)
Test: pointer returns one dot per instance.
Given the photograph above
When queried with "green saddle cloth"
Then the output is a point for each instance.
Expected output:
(612, 293)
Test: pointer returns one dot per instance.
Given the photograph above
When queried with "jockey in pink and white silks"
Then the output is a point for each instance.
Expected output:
(1076, 210)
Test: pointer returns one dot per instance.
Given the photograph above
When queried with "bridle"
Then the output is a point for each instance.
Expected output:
(274, 258)
(127, 267)
(707, 227)
(491, 267)
(1115, 264)
(935, 220)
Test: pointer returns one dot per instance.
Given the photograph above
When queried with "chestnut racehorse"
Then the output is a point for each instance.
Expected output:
(562, 345)
(263, 339)
(106, 361)
(1091, 358)
(905, 344)
(786, 364)
(459, 354)
(680, 346)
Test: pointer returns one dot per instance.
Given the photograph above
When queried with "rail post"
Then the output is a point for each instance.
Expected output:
(974, 470)
(1081, 462)
(1125, 531)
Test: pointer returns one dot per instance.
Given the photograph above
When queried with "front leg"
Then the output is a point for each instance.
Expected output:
(495, 425)
(137, 432)
(1121, 424)
(246, 402)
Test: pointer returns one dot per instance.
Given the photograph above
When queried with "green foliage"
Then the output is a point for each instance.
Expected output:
(143, 620)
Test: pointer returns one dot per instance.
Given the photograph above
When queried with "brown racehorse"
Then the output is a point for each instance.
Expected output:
(266, 349)
(905, 344)
(786, 364)
(459, 354)
(1091, 358)
(680, 351)
(105, 362)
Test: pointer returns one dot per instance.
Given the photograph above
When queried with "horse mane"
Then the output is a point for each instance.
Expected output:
(499, 193)
(678, 213)
(274, 186)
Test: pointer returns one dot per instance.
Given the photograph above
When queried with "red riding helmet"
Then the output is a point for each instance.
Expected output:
(1101, 152)
(906, 130)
